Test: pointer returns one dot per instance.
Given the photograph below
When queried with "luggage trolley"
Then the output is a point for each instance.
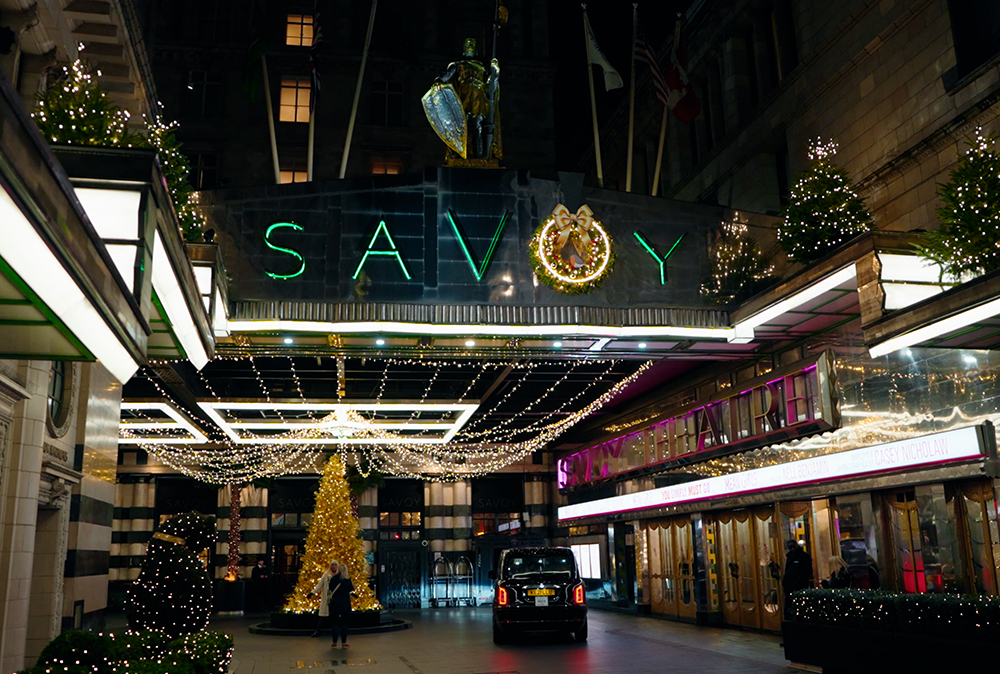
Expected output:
(461, 583)
(441, 575)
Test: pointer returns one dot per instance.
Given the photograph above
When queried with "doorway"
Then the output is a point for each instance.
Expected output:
(671, 567)
(748, 548)
(402, 567)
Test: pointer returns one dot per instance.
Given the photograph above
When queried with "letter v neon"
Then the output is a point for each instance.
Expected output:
(478, 270)
(656, 256)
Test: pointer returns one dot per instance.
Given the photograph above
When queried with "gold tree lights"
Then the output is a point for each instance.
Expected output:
(334, 534)
(823, 211)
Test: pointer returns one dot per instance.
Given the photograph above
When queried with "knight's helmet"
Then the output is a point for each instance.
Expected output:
(469, 49)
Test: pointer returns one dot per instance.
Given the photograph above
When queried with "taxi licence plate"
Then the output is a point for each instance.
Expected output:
(541, 593)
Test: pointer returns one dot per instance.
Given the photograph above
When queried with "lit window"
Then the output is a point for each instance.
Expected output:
(294, 176)
(588, 559)
(294, 100)
(386, 166)
(299, 31)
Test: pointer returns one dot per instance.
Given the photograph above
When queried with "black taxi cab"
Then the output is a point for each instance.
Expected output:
(538, 590)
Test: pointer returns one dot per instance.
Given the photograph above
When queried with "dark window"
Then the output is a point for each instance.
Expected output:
(975, 26)
(215, 21)
(386, 103)
(715, 114)
(783, 26)
(204, 170)
(202, 98)
(781, 169)
(57, 386)
(750, 64)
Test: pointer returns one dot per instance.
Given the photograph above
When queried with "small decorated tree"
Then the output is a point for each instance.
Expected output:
(968, 241)
(334, 534)
(173, 593)
(75, 110)
(739, 268)
(823, 210)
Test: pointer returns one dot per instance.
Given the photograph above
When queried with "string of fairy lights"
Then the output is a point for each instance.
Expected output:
(475, 450)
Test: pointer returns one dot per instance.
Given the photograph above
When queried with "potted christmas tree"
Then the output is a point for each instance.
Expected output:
(823, 210)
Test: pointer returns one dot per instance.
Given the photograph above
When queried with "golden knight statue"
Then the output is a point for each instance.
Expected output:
(463, 108)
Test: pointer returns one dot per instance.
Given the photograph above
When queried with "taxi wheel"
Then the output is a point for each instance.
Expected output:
(499, 638)
(581, 634)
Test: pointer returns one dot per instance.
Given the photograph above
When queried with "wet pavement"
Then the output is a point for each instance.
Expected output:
(460, 641)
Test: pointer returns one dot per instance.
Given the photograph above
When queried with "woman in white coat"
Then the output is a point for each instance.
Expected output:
(334, 589)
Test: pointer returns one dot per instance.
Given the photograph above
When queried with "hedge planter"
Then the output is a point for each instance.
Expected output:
(845, 649)
(230, 596)
(866, 631)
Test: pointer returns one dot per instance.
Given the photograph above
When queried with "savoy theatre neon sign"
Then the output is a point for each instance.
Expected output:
(964, 444)
(796, 402)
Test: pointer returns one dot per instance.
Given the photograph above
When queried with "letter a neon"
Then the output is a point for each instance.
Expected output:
(656, 256)
(392, 252)
(478, 270)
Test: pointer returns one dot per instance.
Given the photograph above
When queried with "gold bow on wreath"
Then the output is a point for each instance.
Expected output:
(575, 228)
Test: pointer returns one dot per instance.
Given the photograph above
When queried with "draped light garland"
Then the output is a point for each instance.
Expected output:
(471, 453)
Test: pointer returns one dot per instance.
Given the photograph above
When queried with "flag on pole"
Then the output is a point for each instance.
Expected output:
(645, 54)
(680, 95)
(612, 80)
(314, 57)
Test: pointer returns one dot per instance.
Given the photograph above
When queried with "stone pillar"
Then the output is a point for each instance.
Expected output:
(368, 519)
(537, 507)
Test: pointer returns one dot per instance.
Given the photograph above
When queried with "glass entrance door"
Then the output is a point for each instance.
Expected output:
(740, 585)
(904, 533)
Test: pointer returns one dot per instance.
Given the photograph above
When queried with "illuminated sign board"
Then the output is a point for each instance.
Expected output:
(797, 402)
(963, 444)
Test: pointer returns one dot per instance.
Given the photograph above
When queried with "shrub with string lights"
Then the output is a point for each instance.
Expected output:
(739, 268)
(173, 593)
(334, 534)
(968, 241)
(75, 110)
(823, 211)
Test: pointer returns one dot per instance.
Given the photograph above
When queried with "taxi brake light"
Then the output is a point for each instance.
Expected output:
(502, 599)
(578, 595)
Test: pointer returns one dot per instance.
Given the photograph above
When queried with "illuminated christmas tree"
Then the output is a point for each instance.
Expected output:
(739, 268)
(823, 210)
(173, 593)
(74, 110)
(968, 241)
(334, 534)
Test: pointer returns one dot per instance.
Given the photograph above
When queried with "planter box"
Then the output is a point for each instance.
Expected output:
(845, 649)
(230, 595)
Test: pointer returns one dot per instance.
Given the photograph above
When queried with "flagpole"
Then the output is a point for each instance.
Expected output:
(631, 100)
(357, 92)
(659, 151)
(593, 101)
(270, 123)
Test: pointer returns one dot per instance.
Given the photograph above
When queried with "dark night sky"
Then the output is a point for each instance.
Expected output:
(612, 24)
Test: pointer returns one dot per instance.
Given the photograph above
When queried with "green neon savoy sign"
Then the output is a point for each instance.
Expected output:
(392, 252)
(661, 260)
(267, 240)
(478, 269)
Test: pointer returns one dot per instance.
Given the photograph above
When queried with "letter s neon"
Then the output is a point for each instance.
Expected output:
(270, 245)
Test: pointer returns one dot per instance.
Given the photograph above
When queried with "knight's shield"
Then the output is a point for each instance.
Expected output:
(446, 116)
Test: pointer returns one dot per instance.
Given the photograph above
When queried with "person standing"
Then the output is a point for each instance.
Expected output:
(258, 584)
(334, 589)
(798, 573)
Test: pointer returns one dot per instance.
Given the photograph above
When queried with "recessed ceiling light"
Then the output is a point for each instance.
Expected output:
(642, 345)
(288, 340)
(558, 345)
(380, 342)
(470, 342)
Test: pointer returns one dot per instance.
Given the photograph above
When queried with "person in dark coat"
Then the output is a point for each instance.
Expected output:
(334, 589)
(798, 573)
(258, 584)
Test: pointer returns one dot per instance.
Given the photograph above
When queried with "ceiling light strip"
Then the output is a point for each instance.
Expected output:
(937, 329)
